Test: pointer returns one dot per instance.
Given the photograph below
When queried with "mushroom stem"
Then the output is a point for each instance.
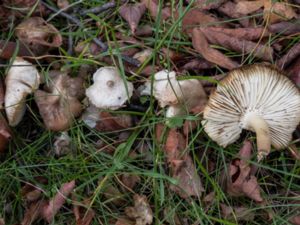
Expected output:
(256, 123)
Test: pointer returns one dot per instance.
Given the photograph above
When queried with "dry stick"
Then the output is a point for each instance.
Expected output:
(98, 42)
(101, 8)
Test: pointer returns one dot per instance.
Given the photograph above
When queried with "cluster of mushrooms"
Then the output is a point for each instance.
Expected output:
(257, 97)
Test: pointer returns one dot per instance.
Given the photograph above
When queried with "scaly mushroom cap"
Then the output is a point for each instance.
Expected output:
(256, 91)
(109, 90)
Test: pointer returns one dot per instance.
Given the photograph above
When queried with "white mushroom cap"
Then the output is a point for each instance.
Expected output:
(109, 89)
(257, 98)
(181, 96)
(21, 80)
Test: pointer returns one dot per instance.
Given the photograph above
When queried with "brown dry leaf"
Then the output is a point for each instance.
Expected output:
(9, 48)
(294, 72)
(175, 146)
(50, 209)
(208, 4)
(248, 7)
(198, 64)
(159, 131)
(241, 182)
(2, 222)
(124, 221)
(108, 122)
(113, 194)
(33, 212)
(62, 3)
(237, 213)
(38, 35)
(295, 220)
(195, 18)
(87, 49)
(292, 54)
(278, 11)
(182, 166)
(60, 104)
(294, 151)
(132, 13)
(250, 34)
(189, 183)
(84, 215)
(30, 192)
(144, 31)
(229, 9)
(153, 7)
(212, 55)
(286, 28)
(141, 211)
(130, 180)
(190, 126)
(5, 133)
(239, 45)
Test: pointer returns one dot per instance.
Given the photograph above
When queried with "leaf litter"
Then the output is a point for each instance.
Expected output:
(212, 38)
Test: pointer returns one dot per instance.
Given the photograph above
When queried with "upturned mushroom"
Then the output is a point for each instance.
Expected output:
(60, 104)
(258, 98)
(22, 79)
(180, 96)
(109, 90)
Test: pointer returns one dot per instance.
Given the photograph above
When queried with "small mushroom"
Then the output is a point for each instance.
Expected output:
(258, 98)
(181, 96)
(59, 104)
(22, 79)
(109, 90)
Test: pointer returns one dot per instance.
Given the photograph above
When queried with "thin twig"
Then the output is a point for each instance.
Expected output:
(98, 42)
(102, 8)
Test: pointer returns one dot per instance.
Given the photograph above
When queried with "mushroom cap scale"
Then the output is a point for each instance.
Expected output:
(109, 90)
(248, 92)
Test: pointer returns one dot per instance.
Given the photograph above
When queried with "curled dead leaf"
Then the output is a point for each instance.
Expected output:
(83, 213)
(141, 211)
(237, 213)
(132, 13)
(294, 72)
(38, 35)
(286, 28)
(62, 144)
(295, 220)
(50, 209)
(229, 9)
(241, 182)
(278, 11)
(105, 121)
(207, 4)
(239, 45)
(212, 55)
(248, 7)
(181, 166)
(292, 54)
(153, 7)
(249, 33)
(195, 18)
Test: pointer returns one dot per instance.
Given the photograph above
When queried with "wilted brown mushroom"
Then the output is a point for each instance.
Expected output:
(60, 105)
(38, 35)
(257, 98)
